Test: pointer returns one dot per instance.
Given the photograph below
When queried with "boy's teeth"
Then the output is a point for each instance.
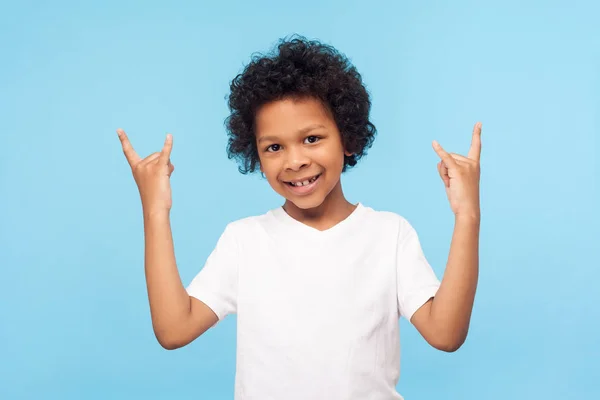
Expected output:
(305, 183)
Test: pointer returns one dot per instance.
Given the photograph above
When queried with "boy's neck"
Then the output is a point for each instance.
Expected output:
(334, 209)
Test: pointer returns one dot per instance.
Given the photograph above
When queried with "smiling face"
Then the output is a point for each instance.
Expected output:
(300, 151)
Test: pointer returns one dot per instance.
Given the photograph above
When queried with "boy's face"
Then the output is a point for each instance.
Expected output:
(300, 150)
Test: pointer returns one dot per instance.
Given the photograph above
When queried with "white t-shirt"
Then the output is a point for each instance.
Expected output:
(317, 311)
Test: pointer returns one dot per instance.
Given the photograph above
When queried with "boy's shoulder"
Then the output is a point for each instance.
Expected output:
(249, 222)
(386, 218)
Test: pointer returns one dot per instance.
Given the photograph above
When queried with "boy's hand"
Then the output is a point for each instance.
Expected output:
(461, 176)
(151, 175)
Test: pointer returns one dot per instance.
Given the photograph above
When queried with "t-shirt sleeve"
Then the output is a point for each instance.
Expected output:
(417, 282)
(217, 282)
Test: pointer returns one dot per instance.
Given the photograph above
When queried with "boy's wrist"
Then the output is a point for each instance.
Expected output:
(468, 216)
(156, 214)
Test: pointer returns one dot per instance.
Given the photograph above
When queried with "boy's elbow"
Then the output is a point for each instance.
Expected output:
(449, 343)
(171, 346)
(450, 346)
(169, 343)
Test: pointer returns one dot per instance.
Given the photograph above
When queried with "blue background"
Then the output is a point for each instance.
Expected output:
(74, 316)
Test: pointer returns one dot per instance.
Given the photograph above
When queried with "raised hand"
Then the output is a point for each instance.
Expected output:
(461, 176)
(151, 175)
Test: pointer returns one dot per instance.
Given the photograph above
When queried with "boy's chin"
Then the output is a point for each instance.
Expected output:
(306, 203)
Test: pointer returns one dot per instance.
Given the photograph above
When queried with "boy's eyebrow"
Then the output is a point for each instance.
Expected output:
(299, 132)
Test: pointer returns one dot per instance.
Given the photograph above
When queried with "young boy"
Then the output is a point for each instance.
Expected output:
(319, 283)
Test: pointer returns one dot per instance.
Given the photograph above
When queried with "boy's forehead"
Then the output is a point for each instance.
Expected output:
(288, 116)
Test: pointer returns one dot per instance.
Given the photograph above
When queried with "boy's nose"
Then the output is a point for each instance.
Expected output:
(296, 161)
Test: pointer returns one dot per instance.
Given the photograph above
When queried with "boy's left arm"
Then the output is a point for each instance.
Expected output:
(444, 320)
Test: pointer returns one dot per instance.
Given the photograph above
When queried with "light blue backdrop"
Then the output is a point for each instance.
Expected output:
(74, 317)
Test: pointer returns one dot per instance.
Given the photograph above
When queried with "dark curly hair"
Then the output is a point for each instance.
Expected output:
(299, 69)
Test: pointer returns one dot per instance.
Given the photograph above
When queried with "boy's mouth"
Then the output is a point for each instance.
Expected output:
(305, 182)
(303, 186)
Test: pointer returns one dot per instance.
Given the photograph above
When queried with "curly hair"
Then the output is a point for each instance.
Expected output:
(299, 69)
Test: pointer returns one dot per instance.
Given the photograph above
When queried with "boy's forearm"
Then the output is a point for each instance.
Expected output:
(453, 303)
(169, 301)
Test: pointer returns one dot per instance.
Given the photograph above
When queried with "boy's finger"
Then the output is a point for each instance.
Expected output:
(165, 154)
(460, 160)
(152, 158)
(443, 171)
(439, 168)
(446, 158)
(130, 154)
(475, 150)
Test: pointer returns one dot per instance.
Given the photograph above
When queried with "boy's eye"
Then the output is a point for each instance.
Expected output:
(312, 139)
(273, 147)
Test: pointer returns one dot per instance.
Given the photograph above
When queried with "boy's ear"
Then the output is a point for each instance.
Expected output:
(348, 154)
(262, 173)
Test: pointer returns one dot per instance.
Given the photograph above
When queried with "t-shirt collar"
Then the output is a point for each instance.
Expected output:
(283, 217)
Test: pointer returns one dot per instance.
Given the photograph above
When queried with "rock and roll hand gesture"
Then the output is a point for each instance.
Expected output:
(461, 176)
(152, 174)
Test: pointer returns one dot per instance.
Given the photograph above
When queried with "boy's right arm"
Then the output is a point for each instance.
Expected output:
(177, 318)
